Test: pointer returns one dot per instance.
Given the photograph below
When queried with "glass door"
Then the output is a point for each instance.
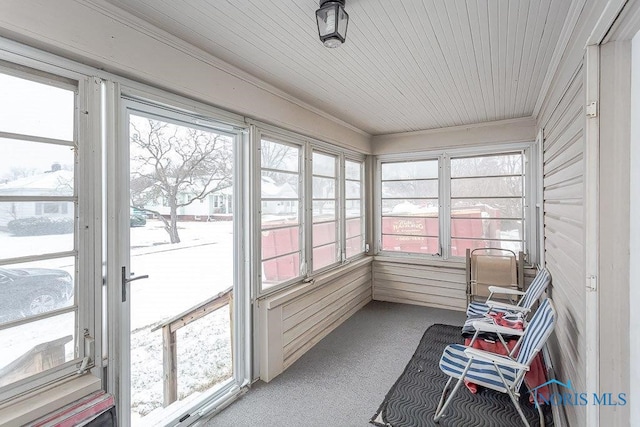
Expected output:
(178, 287)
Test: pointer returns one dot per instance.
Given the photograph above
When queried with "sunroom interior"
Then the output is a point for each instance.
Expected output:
(196, 196)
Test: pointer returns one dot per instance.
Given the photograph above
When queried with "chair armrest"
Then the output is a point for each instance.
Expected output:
(505, 306)
(481, 326)
(501, 290)
(495, 358)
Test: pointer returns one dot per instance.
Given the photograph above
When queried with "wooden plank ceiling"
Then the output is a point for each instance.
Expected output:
(407, 64)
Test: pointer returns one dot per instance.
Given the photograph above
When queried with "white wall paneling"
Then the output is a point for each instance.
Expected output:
(292, 321)
(564, 234)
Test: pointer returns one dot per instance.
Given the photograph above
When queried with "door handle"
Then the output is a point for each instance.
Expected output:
(125, 280)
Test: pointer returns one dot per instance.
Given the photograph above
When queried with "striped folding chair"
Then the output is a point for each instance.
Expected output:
(501, 373)
(524, 305)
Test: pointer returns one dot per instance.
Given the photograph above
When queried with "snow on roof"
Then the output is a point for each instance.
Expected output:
(57, 182)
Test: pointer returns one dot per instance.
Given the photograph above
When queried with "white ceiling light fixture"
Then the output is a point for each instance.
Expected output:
(332, 22)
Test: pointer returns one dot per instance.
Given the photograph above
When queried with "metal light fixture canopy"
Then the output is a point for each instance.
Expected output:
(332, 22)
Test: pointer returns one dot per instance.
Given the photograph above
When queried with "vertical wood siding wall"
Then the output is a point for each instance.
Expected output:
(564, 233)
(294, 321)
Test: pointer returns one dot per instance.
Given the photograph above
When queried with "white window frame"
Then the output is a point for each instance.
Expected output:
(379, 199)
(523, 196)
(87, 215)
(308, 146)
(338, 198)
(285, 140)
(363, 217)
(530, 235)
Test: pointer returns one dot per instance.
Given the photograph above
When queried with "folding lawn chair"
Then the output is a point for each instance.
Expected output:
(501, 373)
(524, 305)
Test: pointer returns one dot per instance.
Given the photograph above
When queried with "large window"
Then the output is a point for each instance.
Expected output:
(281, 216)
(446, 205)
(312, 216)
(487, 202)
(39, 244)
(354, 212)
(324, 211)
(410, 207)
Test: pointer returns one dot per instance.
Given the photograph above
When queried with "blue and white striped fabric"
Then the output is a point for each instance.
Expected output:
(536, 288)
(533, 293)
(537, 332)
(477, 308)
(454, 360)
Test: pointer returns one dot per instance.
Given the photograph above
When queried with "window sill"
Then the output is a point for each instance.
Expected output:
(36, 404)
(278, 298)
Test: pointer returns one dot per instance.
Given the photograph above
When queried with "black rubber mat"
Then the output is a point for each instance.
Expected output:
(413, 399)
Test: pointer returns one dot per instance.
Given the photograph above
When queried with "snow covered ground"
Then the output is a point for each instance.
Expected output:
(180, 277)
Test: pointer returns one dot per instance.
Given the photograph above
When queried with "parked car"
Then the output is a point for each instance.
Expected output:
(137, 218)
(30, 291)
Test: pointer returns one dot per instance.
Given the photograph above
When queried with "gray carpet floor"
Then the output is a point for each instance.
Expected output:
(344, 378)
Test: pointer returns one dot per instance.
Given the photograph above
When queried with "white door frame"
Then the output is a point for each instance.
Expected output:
(118, 251)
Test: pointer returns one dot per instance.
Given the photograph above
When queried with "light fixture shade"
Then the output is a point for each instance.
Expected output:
(332, 22)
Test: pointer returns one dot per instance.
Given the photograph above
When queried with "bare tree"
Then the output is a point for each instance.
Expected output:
(176, 164)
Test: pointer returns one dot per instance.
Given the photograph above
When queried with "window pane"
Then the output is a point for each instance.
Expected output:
(410, 189)
(504, 164)
(50, 340)
(410, 170)
(280, 270)
(353, 170)
(487, 208)
(324, 165)
(352, 189)
(353, 208)
(460, 246)
(410, 226)
(412, 244)
(324, 233)
(324, 188)
(487, 187)
(35, 169)
(277, 185)
(36, 109)
(29, 289)
(324, 256)
(279, 213)
(354, 227)
(486, 228)
(355, 246)
(35, 228)
(324, 211)
(280, 241)
(275, 155)
(419, 207)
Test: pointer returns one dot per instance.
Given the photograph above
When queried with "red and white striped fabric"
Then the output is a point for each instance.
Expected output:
(79, 412)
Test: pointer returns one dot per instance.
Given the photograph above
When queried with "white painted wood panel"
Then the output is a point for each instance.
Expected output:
(293, 321)
(406, 66)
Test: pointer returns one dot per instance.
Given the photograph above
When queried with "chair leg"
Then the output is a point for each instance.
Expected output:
(513, 397)
(440, 411)
(540, 415)
(442, 398)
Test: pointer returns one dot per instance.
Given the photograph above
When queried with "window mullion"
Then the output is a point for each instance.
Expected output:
(445, 206)
(307, 199)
